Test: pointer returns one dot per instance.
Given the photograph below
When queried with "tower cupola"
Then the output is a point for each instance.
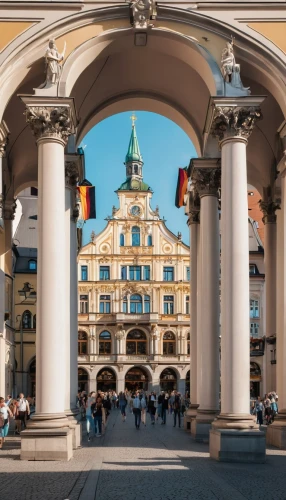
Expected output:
(133, 160)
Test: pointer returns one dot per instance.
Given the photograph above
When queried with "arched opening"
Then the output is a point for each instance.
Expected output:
(82, 343)
(32, 375)
(188, 383)
(135, 379)
(82, 380)
(104, 343)
(255, 379)
(169, 344)
(106, 380)
(188, 344)
(168, 380)
(136, 343)
(121, 240)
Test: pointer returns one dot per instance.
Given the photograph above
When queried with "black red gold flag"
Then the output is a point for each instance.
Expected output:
(87, 199)
(182, 185)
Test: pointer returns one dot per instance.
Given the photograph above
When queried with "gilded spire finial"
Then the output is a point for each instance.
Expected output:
(133, 117)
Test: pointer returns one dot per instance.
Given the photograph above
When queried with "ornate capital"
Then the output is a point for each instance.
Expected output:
(4, 132)
(206, 180)
(50, 117)
(234, 121)
(9, 208)
(193, 206)
(268, 208)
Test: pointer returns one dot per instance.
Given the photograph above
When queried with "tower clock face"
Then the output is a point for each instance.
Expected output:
(135, 210)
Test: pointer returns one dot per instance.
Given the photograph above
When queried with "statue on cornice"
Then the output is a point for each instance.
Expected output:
(230, 70)
(142, 12)
(53, 67)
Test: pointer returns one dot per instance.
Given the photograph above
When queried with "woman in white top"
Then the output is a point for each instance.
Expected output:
(5, 413)
(89, 416)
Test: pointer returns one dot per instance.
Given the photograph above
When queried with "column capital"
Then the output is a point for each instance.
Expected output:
(71, 173)
(230, 117)
(206, 176)
(50, 118)
(9, 208)
(194, 206)
(4, 132)
(268, 208)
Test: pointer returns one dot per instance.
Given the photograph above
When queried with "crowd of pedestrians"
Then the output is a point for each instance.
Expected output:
(13, 409)
(266, 409)
(96, 407)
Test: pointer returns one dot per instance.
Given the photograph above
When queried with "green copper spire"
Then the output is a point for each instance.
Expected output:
(133, 153)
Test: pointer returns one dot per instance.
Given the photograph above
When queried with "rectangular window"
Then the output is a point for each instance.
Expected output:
(146, 273)
(125, 305)
(104, 273)
(104, 304)
(254, 330)
(124, 272)
(135, 273)
(146, 303)
(84, 276)
(254, 309)
(187, 304)
(188, 274)
(168, 304)
(252, 269)
(83, 304)
(168, 274)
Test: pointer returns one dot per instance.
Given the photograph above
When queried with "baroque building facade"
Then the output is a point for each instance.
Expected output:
(134, 295)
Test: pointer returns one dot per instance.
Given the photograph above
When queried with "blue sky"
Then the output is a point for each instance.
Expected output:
(164, 146)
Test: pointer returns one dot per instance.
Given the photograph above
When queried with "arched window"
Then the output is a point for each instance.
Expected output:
(121, 240)
(135, 169)
(149, 240)
(105, 343)
(32, 265)
(188, 345)
(136, 343)
(82, 343)
(168, 380)
(135, 236)
(136, 304)
(34, 321)
(106, 380)
(169, 343)
(27, 319)
(82, 380)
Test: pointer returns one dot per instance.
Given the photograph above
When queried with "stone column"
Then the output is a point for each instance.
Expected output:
(268, 207)
(205, 175)
(52, 120)
(276, 432)
(71, 323)
(235, 436)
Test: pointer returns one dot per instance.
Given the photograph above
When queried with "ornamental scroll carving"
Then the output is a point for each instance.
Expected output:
(50, 121)
(207, 180)
(71, 173)
(143, 11)
(234, 121)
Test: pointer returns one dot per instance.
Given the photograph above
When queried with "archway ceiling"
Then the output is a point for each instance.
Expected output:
(149, 79)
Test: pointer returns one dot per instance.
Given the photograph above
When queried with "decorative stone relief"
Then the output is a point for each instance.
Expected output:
(105, 288)
(4, 132)
(104, 248)
(231, 70)
(193, 207)
(167, 248)
(92, 236)
(206, 180)
(50, 121)
(142, 12)
(268, 208)
(131, 289)
(9, 208)
(71, 173)
(234, 121)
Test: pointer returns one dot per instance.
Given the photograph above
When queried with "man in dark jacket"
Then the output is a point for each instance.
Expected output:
(165, 406)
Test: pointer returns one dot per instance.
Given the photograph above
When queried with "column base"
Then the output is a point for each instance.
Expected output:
(201, 425)
(47, 437)
(241, 446)
(276, 432)
(237, 438)
(75, 427)
(190, 414)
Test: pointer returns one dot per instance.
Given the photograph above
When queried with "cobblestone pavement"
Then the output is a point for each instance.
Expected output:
(156, 462)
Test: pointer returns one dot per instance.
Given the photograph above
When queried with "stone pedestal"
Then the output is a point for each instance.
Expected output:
(47, 444)
(231, 445)
(201, 425)
(76, 429)
(190, 414)
(276, 435)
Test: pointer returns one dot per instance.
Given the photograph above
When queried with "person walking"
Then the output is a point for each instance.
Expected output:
(165, 406)
(177, 409)
(89, 416)
(5, 413)
(258, 408)
(122, 405)
(160, 402)
(137, 407)
(23, 409)
(99, 416)
(152, 407)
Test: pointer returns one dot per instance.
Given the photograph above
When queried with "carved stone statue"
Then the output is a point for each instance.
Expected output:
(53, 67)
(230, 70)
(142, 12)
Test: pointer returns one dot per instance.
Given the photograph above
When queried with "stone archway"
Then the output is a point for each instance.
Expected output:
(168, 380)
(83, 380)
(106, 380)
(136, 378)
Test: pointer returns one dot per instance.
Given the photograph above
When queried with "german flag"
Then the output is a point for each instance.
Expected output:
(87, 200)
(181, 187)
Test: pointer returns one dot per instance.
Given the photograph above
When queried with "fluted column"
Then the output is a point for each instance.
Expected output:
(268, 207)
(52, 121)
(205, 175)
(232, 122)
